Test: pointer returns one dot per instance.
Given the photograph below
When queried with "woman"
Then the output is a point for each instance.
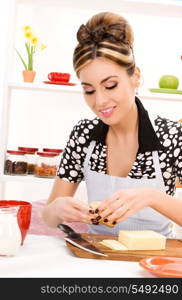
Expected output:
(128, 160)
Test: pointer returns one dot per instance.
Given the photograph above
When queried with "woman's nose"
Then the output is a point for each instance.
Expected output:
(100, 99)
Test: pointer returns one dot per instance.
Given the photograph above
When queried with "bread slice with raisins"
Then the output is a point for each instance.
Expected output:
(94, 205)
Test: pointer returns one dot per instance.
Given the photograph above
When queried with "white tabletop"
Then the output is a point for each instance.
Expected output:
(48, 256)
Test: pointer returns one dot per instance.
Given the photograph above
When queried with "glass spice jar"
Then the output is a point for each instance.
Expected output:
(28, 149)
(46, 164)
(53, 150)
(16, 163)
(59, 151)
(31, 157)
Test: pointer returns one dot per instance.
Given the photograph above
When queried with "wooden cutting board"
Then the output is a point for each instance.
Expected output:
(173, 249)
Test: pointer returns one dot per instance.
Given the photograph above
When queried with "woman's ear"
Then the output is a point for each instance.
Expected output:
(136, 77)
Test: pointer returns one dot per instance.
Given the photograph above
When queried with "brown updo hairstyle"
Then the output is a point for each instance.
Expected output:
(106, 35)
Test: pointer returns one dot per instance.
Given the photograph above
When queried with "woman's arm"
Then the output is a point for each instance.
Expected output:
(61, 206)
(169, 206)
(126, 202)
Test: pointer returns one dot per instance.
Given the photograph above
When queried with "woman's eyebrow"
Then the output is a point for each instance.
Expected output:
(105, 79)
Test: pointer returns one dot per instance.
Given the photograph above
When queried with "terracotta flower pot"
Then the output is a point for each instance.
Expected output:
(28, 76)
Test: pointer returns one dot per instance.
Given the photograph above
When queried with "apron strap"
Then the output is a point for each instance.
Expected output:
(155, 155)
(89, 153)
(157, 164)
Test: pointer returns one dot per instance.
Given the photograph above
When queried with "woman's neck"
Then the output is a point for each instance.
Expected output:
(128, 126)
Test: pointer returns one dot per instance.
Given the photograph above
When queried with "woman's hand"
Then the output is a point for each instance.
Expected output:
(69, 209)
(126, 202)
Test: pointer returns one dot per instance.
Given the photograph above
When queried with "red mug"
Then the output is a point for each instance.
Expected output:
(56, 76)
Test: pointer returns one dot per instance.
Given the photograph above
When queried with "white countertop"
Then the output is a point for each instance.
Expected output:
(48, 256)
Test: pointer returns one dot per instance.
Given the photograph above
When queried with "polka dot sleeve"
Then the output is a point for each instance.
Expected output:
(70, 168)
(178, 154)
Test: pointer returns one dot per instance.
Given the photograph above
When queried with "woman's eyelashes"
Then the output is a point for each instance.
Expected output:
(89, 92)
(107, 88)
(111, 87)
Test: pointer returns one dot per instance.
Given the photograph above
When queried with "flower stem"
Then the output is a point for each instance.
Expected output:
(27, 45)
(23, 62)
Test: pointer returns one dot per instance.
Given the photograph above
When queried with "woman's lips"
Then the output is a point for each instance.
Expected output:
(107, 112)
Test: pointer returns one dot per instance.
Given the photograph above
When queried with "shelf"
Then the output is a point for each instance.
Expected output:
(147, 95)
(26, 179)
(45, 87)
(143, 94)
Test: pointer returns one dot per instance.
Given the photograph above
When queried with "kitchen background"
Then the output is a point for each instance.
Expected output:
(45, 119)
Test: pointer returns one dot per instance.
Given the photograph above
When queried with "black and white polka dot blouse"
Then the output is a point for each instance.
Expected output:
(166, 138)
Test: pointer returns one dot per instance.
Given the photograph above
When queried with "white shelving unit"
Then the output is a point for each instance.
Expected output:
(145, 95)
(25, 179)
(145, 7)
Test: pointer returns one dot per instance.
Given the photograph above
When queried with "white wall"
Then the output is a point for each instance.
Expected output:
(40, 119)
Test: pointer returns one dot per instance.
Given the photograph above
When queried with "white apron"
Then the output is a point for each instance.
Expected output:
(100, 186)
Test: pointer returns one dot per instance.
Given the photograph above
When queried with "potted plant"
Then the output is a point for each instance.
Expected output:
(32, 44)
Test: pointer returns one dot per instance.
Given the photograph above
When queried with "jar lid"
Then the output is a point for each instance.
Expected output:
(53, 150)
(30, 152)
(28, 149)
(48, 154)
(19, 152)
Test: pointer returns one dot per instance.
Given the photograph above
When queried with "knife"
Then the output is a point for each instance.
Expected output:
(76, 239)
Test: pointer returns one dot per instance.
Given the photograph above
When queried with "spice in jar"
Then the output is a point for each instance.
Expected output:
(16, 163)
(46, 165)
(31, 156)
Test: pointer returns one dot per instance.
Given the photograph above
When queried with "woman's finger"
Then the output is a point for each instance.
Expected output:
(119, 213)
(114, 206)
(104, 204)
(127, 214)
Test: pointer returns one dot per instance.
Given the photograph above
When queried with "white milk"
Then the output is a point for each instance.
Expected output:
(10, 234)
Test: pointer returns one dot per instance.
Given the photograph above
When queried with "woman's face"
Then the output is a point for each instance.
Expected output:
(108, 90)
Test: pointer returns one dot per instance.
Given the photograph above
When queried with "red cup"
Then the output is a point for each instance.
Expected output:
(56, 76)
(23, 215)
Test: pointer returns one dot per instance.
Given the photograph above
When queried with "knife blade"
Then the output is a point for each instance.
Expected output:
(76, 239)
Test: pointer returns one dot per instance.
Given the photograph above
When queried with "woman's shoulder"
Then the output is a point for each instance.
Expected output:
(88, 123)
(169, 131)
(83, 129)
(169, 125)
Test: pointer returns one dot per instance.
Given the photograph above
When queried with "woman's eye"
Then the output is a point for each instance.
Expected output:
(88, 92)
(111, 87)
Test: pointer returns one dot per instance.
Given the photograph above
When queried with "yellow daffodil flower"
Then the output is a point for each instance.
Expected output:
(31, 46)
(28, 35)
(43, 46)
(34, 40)
(27, 28)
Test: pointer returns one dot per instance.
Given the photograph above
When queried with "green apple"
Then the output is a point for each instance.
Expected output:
(169, 82)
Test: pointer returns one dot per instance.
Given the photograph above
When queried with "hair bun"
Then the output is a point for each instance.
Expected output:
(115, 32)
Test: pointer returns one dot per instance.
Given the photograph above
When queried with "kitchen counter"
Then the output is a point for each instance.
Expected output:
(48, 256)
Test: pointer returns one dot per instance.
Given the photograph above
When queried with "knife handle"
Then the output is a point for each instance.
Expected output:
(70, 232)
(65, 228)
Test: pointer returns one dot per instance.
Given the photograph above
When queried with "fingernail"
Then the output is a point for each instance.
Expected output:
(93, 219)
(114, 222)
(98, 218)
(105, 220)
(95, 222)
(91, 211)
(97, 210)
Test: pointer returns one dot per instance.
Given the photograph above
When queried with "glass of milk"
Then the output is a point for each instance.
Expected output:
(10, 234)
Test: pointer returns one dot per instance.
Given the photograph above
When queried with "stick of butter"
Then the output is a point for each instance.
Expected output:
(113, 244)
(142, 239)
